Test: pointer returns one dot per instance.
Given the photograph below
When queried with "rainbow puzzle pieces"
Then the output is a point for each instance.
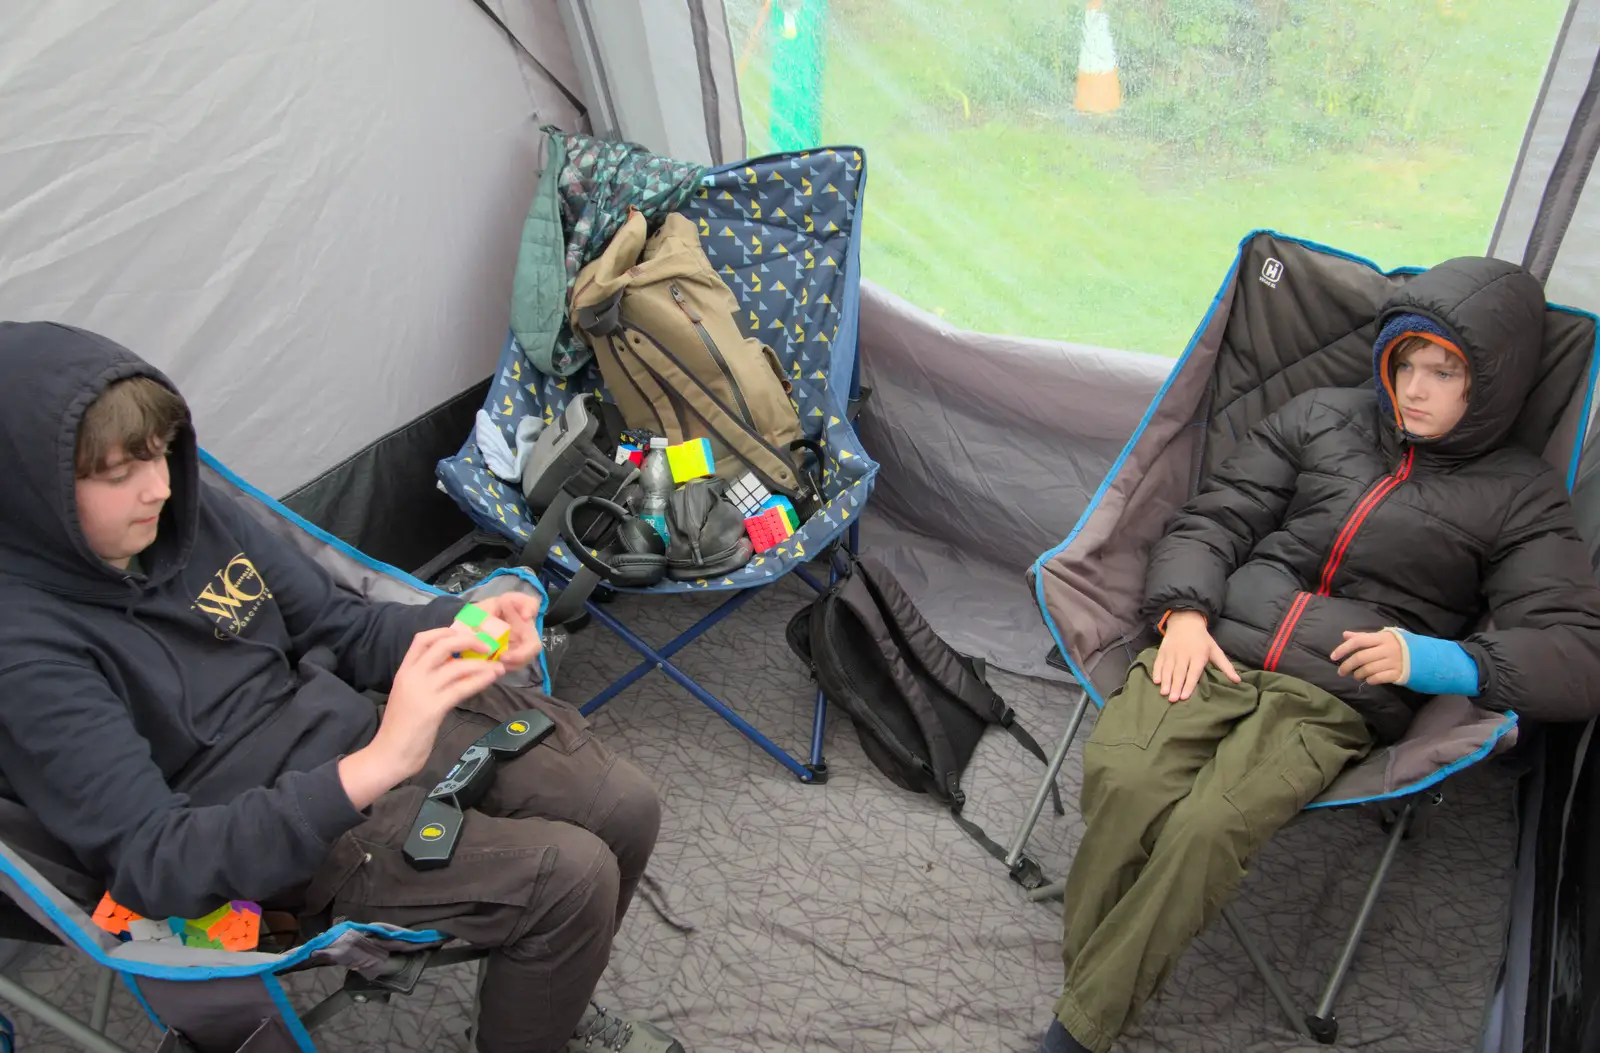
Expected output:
(234, 926)
(493, 634)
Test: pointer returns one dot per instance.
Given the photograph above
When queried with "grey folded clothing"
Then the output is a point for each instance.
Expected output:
(498, 456)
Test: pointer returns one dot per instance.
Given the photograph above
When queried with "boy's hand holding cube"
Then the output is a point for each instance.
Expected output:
(494, 635)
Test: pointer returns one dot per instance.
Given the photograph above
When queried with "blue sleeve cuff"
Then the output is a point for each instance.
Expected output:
(1437, 667)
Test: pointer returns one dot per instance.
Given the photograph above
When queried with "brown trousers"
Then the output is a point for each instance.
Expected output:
(543, 873)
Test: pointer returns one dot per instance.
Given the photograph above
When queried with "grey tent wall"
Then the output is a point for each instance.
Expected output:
(660, 74)
(1574, 271)
(991, 448)
(307, 213)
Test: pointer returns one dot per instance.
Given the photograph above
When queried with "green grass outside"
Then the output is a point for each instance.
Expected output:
(993, 203)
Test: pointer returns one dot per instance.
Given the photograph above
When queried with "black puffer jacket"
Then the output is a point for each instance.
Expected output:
(1329, 517)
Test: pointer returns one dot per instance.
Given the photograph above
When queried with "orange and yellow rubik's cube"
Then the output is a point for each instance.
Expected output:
(494, 635)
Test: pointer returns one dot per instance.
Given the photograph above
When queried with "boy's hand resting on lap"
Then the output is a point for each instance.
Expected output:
(1185, 651)
(1373, 658)
(429, 684)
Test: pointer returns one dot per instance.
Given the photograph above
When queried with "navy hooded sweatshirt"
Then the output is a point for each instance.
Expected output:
(178, 729)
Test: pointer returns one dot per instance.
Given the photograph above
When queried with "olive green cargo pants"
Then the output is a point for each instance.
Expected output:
(1177, 797)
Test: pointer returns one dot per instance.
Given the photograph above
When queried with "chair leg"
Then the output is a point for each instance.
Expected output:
(102, 1000)
(477, 1006)
(1024, 870)
(1269, 973)
(712, 702)
(684, 639)
(1054, 890)
(1323, 1023)
(52, 1016)
(819, 714)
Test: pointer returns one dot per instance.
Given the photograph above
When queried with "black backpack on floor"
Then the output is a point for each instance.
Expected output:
(919, 707)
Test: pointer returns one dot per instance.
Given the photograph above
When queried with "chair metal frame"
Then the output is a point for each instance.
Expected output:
(357, 990)
(815, 769)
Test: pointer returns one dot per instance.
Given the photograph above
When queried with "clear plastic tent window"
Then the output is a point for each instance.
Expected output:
(1076, 170)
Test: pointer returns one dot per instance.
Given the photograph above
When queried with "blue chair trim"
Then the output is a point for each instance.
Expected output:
(1504, 728)
(291, 1019)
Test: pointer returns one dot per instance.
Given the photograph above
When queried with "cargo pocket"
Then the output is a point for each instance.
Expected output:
(1132, 718)
(1278, 787)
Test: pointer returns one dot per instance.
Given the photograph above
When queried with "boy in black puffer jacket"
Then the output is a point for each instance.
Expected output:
(1336, 571)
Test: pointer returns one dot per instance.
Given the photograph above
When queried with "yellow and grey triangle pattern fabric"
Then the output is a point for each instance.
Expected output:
(782, 232)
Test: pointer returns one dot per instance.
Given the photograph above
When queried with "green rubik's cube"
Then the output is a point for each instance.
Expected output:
(494, 635)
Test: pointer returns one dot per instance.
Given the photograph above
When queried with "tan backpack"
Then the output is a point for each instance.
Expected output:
(661, 324)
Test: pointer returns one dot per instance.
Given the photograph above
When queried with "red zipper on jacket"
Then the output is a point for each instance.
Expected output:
(1341, 545)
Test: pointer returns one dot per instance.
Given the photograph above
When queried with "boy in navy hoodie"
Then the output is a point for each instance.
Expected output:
(181, 707)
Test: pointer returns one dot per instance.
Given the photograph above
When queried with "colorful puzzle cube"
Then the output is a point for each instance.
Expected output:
(787, 507)
(149, 931)
(240, 929)
(691, 460)
(626, 453)
(493, 634)
(748, 495)
(234, 926)
(114, 917)
(767, 529)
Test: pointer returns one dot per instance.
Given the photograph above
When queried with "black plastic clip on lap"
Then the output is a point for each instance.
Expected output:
(433, 837)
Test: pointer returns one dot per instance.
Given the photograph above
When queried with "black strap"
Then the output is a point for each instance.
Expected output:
(598, 477)
(568, 604)
(1031, 744)
(974, 831)
(583, 111)
(546, 531)
(612, 423)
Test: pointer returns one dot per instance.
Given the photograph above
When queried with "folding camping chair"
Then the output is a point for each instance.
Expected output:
(1242, 363)
(208, 1001)
(784, 231)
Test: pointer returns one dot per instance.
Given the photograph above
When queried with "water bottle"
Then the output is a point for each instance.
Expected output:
(655, 479)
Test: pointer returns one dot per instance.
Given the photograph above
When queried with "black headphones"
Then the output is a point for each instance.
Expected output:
(637, 556)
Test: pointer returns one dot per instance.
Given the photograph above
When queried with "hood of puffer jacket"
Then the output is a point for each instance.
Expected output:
(1491, 313)
(51, 374)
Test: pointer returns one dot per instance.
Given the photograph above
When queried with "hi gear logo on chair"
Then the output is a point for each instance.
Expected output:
(432, 832)
(518, 727)
(1271, 272)
(233, 596)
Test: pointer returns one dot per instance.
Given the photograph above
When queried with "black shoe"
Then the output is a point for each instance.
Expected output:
(1059, 1040)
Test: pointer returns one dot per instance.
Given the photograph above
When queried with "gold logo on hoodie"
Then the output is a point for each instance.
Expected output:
(234, 594)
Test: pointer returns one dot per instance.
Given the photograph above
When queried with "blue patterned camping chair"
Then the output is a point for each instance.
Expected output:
(784, 232)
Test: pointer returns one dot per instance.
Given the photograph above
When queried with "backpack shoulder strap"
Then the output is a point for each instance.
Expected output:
(944, 777)
(770, 465)
(942, 661)
(960, 676)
